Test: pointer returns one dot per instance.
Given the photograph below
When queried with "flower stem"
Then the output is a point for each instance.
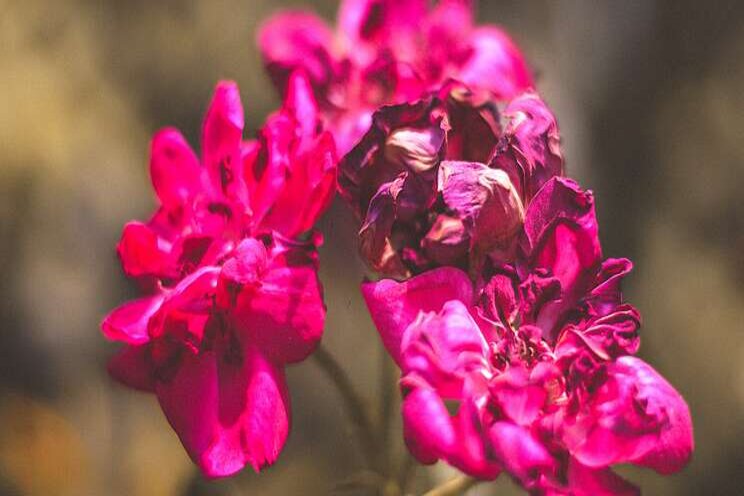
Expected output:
(453, 487)
(355, 408)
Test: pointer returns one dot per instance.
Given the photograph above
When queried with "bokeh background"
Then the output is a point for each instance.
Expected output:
(649, 96)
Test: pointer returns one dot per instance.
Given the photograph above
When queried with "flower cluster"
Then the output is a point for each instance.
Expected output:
(445, 180)
(515, 346)
(530, 367)
(389, 51)
(229, 276)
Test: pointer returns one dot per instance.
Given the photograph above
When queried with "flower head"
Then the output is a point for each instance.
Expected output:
(530, 369)
(232, 290)
(446, 180)
(389, 51)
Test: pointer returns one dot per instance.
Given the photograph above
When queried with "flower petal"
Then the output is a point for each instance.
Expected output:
(128, 323)
(635, 417)
(296, 39)
(495, 64)
(132, 367)
(174, 168)
(221, 138)
(227, 413)
(144, 254)
(283, 311)
(520, 453)
(395, 305)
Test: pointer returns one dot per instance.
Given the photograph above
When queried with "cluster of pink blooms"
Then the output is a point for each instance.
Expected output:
(515, 346)
(232, 293)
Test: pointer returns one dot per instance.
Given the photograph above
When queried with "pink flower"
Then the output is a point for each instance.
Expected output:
(446, 180)
(232, 298)
(389, 51)
(530, 369)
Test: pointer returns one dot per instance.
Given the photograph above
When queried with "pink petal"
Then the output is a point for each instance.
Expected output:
(308, 191)
(635, 417)
(132, 367)
(228, 413)
(495, 64)
(395, 305)
(427, 426)
(300, 103)
(561, 234)
(128, 323)
(283, 312)
(266, 169)
(293, 40)
(607, 291)
(442, 347)
(174, 168)
(384, 21)
(221, 138)
(143, 253)
(585, 481)
(533, 153)
(520, 452)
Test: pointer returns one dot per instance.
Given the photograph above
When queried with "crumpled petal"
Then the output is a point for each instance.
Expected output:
(486, 201)
(395, 305)
(561, 235)
(297, 40)
(635, 417)
(530, 151)
(227, 411)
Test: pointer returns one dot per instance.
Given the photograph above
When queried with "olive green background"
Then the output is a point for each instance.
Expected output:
(649, 98)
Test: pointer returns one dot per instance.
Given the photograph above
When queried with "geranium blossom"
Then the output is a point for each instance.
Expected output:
(530, 369)
(389, 51)
(232, 293)
(446, 180)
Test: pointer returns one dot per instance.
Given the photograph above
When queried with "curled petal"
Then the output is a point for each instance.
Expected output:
(607, 291)
(395, 305)
(635, 417)
(128, 323)
(586, 481)
(228, 412)
(531, 149)
(561, 236)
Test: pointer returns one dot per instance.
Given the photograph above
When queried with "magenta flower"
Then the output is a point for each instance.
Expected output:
(531, 369)
(389, 51)
(446, 180)
(232, 298)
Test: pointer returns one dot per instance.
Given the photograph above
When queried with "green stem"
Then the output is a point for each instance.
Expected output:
(355, 408)
(453, 487)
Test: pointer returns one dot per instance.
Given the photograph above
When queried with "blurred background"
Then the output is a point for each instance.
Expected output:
(650, 103)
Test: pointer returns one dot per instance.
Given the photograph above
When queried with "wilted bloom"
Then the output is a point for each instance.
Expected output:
(389, 51)
(446, 180)
(530, 369)
(232, 290)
